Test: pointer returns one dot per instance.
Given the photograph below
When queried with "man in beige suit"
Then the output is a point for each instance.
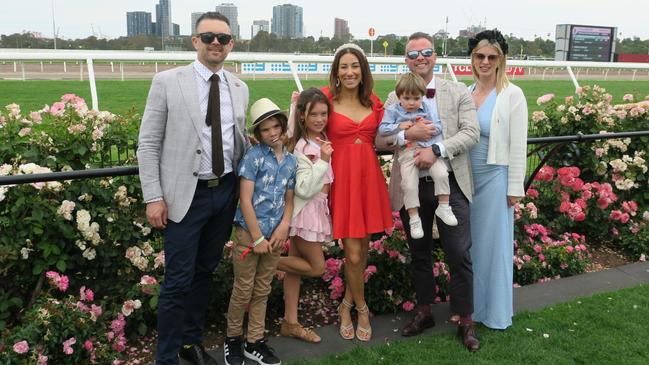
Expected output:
(452, 104)
(191, 140)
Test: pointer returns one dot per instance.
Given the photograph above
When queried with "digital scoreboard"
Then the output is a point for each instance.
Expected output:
(585, 43)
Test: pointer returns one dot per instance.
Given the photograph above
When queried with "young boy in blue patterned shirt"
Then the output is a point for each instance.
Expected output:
(267, 173)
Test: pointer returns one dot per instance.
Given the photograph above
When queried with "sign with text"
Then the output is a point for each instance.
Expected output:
(466, 70)
(588, 43)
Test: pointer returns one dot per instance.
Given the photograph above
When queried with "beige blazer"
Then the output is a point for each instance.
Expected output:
(460, 130)
(169, 147)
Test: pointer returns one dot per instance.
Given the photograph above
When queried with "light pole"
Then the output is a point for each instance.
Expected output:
(53, 25)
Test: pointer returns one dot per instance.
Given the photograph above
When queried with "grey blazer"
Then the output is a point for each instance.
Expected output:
(169, 147)
(460, 129)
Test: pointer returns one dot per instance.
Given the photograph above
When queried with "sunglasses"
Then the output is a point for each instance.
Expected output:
(208, 37)
(481, 57)
(426, 52)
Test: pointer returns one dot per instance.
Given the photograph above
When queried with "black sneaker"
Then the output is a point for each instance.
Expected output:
(233, 351)
(261, 353)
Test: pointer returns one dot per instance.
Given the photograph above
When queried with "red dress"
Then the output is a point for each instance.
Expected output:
(360, 204)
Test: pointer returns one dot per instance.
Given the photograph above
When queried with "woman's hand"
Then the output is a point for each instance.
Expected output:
(511, 200)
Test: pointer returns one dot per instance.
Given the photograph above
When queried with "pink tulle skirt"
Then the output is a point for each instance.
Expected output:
(313, 222)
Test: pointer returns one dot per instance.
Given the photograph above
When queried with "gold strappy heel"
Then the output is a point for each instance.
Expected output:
(364, 334)
(346, 331)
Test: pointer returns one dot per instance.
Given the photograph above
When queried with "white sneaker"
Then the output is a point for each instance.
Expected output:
(446, 215)
(416, 231)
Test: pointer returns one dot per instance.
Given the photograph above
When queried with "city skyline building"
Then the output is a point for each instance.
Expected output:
(341, 29)
(257, 26)
(164, 26)
(230, 11)
(195, 16)
(138, 22)
(287, 21)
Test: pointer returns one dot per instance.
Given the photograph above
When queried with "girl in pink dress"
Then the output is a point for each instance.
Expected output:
(311, 224)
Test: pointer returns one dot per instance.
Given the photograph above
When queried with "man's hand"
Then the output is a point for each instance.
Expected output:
(279, 236)
(422, 130)
(156, 214)
(424, 158)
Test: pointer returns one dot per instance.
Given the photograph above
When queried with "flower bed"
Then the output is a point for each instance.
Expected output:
(58, 239)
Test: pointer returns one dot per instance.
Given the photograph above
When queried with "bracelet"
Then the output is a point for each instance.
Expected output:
(252, 245)
(258, 241)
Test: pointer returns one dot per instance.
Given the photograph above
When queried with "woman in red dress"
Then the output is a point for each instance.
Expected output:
(359, 198)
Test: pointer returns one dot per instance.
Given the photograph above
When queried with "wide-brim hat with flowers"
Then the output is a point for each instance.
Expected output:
(263, 109)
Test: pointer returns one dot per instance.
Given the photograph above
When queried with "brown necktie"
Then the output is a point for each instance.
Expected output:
(213, 118)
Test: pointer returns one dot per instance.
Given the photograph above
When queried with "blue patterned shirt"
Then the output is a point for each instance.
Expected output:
(395, 114)
(272, 179)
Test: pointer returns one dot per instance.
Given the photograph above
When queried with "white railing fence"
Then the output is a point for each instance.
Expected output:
(289, 64)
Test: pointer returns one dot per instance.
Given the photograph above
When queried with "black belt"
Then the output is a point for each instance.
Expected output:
(429, 179)
(212, 183)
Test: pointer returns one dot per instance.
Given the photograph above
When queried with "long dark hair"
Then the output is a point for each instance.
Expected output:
(367, 82)
(305, 103)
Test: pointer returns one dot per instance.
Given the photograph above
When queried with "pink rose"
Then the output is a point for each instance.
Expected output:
(88, 345)
(21, 347)
(408, 306)
(67, 346)
(569, 249)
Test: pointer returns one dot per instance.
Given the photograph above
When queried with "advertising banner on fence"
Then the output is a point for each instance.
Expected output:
(466, 70)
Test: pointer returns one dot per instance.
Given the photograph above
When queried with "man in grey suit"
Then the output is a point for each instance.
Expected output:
(188, 176)
(453, 105)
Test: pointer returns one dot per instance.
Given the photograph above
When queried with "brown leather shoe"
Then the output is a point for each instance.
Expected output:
(469, 339)
(423, 319)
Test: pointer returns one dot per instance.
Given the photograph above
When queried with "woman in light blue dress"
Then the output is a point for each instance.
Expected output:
(498, 166)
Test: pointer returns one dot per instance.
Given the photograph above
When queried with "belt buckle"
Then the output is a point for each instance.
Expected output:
(428, 178)
(212, 183)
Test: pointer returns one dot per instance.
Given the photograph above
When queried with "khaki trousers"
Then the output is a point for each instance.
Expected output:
(252, 283)
(410, 178)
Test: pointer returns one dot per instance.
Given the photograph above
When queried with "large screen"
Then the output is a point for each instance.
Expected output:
(589, 43)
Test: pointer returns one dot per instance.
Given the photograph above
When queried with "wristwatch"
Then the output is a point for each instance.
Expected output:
(436, 150)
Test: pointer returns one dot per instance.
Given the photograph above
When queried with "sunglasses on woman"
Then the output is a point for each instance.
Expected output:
(481, 57)
(426, 52)
(208, 37)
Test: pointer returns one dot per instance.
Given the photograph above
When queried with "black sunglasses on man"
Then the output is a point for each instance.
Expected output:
(208, 37)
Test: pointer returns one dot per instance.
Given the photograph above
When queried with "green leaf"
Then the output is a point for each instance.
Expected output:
(153, 303)
(60, 265)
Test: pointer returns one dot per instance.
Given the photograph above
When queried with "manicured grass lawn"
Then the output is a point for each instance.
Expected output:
(608, 328)
(123, 96)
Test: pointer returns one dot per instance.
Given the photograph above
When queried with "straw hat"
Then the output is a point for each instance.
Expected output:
(263, 109)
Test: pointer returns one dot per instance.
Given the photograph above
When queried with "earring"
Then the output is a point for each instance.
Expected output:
(337, 83)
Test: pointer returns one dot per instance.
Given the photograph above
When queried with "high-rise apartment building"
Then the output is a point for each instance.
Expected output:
(230, 12)
(138, 22)
(341, 29)
(195, 17)
(164, 26)
(257, 26)
(287, 21)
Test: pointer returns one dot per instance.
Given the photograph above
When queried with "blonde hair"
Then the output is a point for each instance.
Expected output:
(501, 69)
(410, 84)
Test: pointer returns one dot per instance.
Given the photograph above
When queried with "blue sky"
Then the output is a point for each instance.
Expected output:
(78, 18)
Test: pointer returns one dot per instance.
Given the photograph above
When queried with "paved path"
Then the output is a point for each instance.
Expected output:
(530, 297)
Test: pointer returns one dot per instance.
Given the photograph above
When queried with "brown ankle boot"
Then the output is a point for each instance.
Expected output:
(468, 337)
(423, 319)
